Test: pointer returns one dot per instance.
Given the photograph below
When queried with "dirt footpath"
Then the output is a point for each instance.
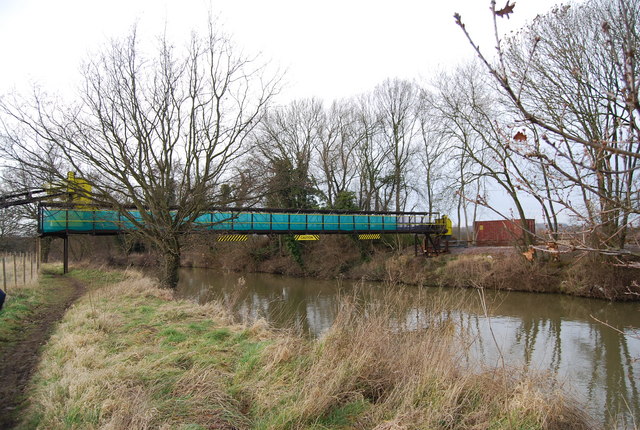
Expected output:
(19, 359)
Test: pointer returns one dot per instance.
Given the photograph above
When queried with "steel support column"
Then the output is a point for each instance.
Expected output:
(65, 246)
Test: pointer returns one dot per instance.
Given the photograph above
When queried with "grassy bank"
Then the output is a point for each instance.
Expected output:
(127, 355)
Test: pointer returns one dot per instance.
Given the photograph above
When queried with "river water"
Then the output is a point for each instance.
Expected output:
(592, 347)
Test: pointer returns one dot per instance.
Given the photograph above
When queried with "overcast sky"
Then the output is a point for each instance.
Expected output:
(329, 49)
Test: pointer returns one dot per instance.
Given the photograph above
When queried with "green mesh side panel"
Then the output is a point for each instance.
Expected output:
(93, 220)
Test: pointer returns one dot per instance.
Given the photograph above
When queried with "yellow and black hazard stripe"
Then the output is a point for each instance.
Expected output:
(306, 236)
(232, 238)
(370, 236)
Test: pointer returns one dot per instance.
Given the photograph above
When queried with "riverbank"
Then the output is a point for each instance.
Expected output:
(390, 260)
(335, 257)
(128, 355)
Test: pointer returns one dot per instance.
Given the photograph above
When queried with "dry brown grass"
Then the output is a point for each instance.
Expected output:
(466, 271)
(336, 256)
(332, 256)
(598, 277)
(364, 356)
(281, 265)
(575, 274)
(371, 270)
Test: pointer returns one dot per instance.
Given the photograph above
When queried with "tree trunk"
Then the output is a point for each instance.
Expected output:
(527, 235)
(45, 248)
(169, 262)
(169, 265)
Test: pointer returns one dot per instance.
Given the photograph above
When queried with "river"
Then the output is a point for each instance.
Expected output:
(592, 347)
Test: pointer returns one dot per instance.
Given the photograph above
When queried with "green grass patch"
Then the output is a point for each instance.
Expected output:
(16, 313)
(79, 416)
(146, 310)
(250, 357)
(97, 277)
(171, 335)
(23, 303)
(200, 327)
(218, 335)
(343, 416)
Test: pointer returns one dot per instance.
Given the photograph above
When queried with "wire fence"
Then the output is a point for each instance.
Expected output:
(19, 269)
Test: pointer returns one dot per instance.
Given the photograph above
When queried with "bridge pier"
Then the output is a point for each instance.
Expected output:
(65, 252)
(431, 245)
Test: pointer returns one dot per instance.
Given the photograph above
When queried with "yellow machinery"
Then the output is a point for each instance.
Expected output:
(78, 189)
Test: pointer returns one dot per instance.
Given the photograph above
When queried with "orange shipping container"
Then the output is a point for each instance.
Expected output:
(500, 232)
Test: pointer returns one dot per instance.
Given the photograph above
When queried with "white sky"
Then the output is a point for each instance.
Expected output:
(330, 49)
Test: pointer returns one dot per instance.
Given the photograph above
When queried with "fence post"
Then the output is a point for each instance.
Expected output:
(31, 263)
(24, 268)
(15, 271)
(38, 252)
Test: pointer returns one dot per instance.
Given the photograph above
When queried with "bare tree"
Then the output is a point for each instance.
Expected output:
(339, 138)
(471, 113)
(434, 155)
(285, 141)
(150, 132)
(370, 153)
(572, 77)
(396, 102)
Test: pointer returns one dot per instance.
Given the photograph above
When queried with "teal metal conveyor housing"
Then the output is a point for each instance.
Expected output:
(63, 220)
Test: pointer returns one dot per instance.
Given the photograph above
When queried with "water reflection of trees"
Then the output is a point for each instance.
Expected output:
(559, 334)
